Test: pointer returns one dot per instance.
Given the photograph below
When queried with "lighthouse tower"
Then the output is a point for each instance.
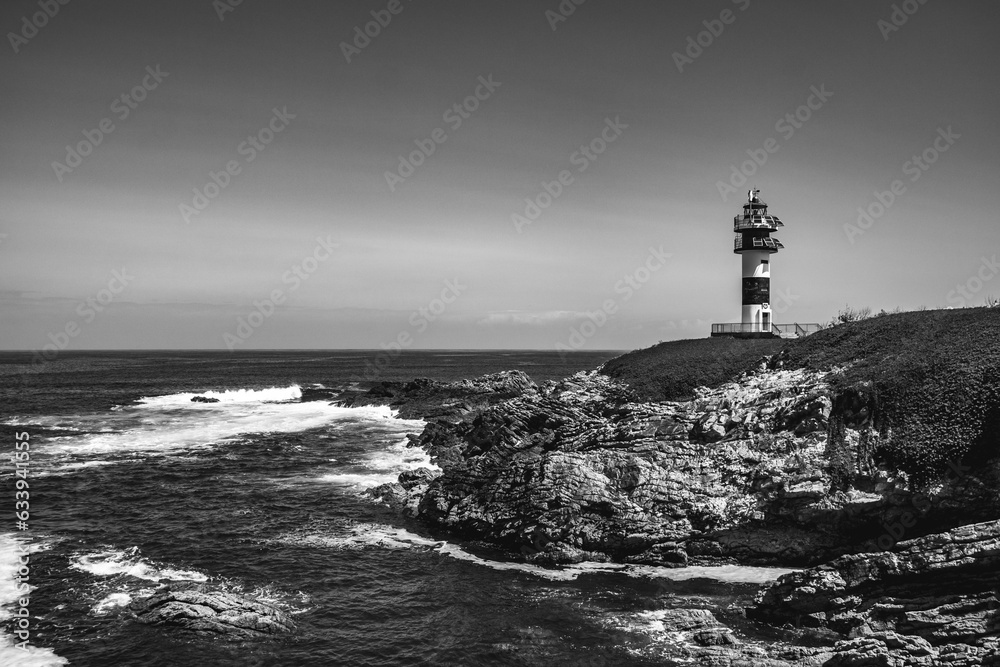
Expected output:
(754, 243)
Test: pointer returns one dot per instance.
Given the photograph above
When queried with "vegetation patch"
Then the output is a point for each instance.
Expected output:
(671, 371)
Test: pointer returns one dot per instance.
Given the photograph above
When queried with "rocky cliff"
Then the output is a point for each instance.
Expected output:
(578, 470)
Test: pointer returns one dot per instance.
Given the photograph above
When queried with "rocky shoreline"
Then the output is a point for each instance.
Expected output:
(579, 470)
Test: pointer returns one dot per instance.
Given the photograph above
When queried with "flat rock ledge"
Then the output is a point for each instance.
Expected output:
(198, 610)
(932, 600)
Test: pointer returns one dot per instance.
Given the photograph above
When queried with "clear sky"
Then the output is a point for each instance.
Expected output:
(638, 234)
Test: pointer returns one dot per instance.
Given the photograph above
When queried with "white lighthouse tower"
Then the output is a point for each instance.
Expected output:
(754, 243)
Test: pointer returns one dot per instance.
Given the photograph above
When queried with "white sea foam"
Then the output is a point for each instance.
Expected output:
(554, 574)
(11, 551)
(369, 535)
(111, 602)
(381, 467)
(358, 481)
(113, 562)
(160, 425)
(726, 573)
(183, 400)
(70, 468)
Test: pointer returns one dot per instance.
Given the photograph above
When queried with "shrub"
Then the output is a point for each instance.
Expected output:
(848, 314)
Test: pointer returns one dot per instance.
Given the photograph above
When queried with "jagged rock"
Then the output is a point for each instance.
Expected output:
(431, 400)
(196, 609)
(883, 648)
(928, 601)
(584, 463)
(412, 478)
(404, 494)
(317, 392)
(581, 462)
(204, 399)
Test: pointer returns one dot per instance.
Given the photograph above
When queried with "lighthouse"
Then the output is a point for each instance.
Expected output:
(754, 244)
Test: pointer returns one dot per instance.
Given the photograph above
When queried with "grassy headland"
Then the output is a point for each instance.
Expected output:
(926, 383)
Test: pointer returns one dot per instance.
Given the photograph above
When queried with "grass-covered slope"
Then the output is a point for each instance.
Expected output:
(925, 385)
(671, 371)
(928, 381)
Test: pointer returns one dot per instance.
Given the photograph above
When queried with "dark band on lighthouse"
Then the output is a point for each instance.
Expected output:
(756, 291)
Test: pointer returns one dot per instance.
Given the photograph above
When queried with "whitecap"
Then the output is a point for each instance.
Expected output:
(111, 602)
(161, 425)
(114, 562)
(381, 467)
(183, 399)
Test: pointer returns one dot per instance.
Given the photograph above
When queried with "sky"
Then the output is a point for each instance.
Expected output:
(493, 175)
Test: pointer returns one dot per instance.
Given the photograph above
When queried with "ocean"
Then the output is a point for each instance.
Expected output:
(126, 484)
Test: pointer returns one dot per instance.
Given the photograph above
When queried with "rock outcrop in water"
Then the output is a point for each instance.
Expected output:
(196, 609)
(431, 399)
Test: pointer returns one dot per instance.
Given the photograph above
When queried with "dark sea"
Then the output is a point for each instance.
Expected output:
(128, 484)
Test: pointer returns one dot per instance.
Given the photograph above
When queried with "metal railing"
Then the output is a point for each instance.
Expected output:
(740, 223)
(776, 329)
(737, 327)
(761, 243)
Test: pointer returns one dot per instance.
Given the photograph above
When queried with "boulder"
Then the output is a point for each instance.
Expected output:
(196, 609)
